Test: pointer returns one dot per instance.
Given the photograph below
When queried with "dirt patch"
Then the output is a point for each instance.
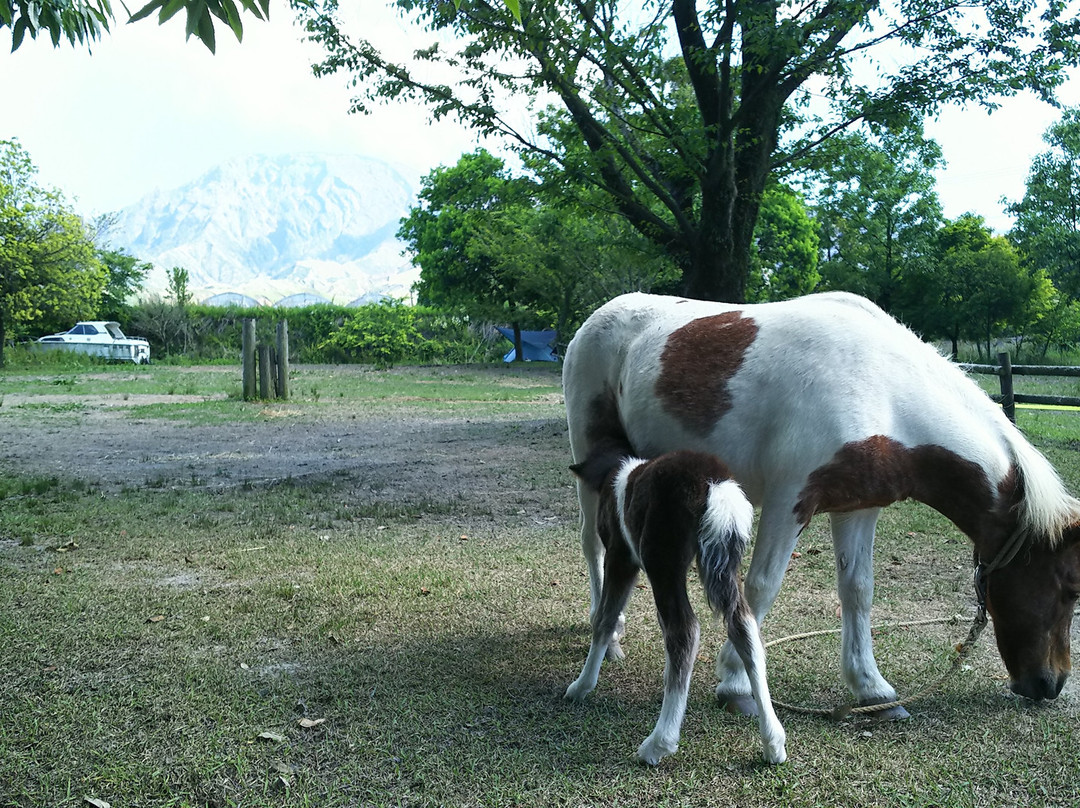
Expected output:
(501, 462)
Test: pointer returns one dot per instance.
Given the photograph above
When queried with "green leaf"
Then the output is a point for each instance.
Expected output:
(206, 31)
(232, 17)
(146, 10)
(18, 32)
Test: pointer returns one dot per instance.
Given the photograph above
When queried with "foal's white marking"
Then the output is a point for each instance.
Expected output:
(621, 481)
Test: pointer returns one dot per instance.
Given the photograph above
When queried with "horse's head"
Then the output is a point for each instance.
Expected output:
(1031, 601)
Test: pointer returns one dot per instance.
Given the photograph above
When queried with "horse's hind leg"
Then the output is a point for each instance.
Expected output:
(746, 638)
(619, 576)
(853, 542)
(777, 531)
(681, 634)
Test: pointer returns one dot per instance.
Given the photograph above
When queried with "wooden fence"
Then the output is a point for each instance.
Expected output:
(1005, 370)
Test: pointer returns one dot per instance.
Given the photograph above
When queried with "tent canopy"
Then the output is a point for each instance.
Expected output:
(537, 346)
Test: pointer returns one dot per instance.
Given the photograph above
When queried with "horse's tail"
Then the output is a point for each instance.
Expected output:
(1046, 508)
(722, 539)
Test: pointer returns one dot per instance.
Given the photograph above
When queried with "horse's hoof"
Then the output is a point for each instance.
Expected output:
(615, 652)
(737, 704)
(895, 713)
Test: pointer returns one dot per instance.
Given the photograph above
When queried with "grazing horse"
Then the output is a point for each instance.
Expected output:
(659, 515)
(825, 404)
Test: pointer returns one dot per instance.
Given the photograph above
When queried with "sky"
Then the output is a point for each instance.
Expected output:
(146, 110)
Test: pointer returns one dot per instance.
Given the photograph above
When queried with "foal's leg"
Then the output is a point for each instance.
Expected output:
(745, 637)
(777, 532)
(619, 577)
(681, 634)
(853, 543)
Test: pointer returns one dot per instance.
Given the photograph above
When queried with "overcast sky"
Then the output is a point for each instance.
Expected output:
(148, 110)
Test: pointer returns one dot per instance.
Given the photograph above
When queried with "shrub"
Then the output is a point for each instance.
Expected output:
(381, 334)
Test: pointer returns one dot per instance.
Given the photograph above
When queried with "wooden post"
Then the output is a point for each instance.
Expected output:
(264, 372)
(283, 359)
(1008, 401)
(247, 354)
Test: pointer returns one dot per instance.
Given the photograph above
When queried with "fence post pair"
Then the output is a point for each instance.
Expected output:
(273, 366)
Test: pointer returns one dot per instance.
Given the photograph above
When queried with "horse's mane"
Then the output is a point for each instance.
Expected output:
(1046, 508)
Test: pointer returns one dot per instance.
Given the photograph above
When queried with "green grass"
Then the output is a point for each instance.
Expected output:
(152, 635)
(315, 391)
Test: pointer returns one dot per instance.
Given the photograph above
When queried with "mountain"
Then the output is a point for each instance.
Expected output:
(268, 227)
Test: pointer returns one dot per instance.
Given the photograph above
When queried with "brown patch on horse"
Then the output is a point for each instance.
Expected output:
(878, 471)
(698, 361)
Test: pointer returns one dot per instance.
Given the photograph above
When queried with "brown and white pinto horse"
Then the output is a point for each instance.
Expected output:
(658, 516)
(825, 404)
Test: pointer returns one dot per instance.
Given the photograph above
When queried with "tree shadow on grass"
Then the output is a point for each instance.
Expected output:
(479, 717)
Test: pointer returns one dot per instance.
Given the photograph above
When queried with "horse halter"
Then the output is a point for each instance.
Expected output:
(1005, 556)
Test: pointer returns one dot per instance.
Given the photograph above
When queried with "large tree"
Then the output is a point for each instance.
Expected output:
(680, 112)
(50, 274)
(500, 247)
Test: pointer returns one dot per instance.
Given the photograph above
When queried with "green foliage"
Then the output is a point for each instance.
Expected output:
(178, 287)
(213, 333)
(975, 288)
(877, 210)
(785, 256)
(500, 248)
(381, 334)
(457, 205)
(683, 147)
(165, 325)
(1048, 217)
(125, 275)
(50, 274)
(77, 21)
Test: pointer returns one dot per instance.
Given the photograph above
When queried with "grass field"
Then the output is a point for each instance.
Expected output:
(321, 642)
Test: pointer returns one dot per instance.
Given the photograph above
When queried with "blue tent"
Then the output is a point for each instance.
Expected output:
(538, 346)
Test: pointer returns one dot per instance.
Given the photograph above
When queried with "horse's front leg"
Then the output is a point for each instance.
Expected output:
(853, 544)
(777, 533)
(593, 550)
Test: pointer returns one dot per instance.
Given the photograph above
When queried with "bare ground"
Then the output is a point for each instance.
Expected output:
(499, 463)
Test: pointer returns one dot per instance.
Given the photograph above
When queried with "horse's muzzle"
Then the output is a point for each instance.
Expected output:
(1045, 685)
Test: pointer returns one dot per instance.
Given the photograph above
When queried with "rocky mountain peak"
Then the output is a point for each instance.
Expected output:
(272, 226)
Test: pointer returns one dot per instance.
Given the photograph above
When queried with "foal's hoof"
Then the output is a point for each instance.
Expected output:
(615, 652)
(896, 713)
(737, 704)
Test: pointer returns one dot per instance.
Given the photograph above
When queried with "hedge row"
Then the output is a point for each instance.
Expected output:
(382, 334)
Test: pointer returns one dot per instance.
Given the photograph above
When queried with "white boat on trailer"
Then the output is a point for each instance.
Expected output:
(101, 338)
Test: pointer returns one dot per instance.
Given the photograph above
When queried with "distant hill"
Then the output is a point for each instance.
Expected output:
(268, 227)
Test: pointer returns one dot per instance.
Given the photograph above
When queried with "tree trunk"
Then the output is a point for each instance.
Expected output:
(519, 354)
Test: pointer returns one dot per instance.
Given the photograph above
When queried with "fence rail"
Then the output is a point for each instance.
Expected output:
(1005, 370)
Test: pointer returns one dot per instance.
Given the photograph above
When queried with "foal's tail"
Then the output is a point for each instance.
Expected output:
(722, 540)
